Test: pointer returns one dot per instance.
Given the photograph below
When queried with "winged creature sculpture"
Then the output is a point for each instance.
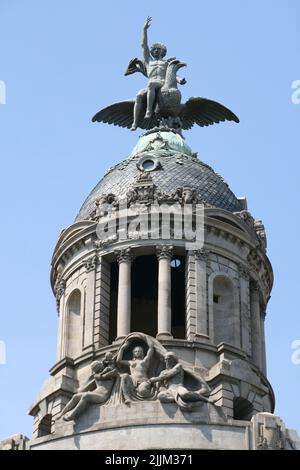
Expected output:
(160, 103)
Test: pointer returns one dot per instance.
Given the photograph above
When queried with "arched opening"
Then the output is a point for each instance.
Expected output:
(178, 296)
(242, 409)
(224, 318)
(45, 426)
(74, 339)
(144, 292)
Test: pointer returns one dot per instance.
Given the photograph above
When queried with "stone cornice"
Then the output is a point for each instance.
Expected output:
(90, 264)
(83, 238)
(71, 235)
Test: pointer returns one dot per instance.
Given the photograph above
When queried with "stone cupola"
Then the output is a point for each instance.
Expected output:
(113, 275)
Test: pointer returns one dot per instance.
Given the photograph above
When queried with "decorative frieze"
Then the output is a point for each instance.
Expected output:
(100, 244)
(103, 205)
(144, 191)
(91, 263)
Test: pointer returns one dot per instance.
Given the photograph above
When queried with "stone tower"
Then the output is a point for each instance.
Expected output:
(207, 305)
(161, 285)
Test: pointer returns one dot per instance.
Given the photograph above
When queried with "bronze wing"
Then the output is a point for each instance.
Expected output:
(204, 112)
(136, 65)
(121, 114)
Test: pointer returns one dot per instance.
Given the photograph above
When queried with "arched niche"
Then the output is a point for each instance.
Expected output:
(74, 333)
(223, 310)
(45, 425)
(242, 409)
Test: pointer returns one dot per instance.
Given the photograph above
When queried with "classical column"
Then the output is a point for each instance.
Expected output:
(244, 333)
(201, 258)
(164, 255)
(263, 342)
(59, 290)
(102, 303)
(124, 257)
(90, 265)
(255, 325)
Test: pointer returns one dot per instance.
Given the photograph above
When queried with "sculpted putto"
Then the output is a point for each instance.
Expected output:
(155, 68)
(172, 385)
(136, 383)
(143, 370)
(96, 391)
(160, 103)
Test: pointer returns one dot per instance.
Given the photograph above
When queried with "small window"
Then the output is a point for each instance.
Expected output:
(45, 426)
(242, 409)
(175, 263)
(216, 299)
(148, 165)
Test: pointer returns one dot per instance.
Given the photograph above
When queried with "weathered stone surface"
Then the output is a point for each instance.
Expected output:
(17, 442)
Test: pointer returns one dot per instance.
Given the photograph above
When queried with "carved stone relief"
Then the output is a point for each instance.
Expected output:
(142, 369)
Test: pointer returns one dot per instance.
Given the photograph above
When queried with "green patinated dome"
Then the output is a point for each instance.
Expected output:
(170, 140)
(174, 165)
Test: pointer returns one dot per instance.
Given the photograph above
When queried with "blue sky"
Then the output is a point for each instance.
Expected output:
(61, 62)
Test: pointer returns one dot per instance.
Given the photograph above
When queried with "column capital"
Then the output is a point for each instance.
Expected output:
(59, 289)
(164, 252)
(124, 255)
(91, 263)
(201, 254)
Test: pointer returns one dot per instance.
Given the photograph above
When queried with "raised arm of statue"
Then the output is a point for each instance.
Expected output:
(119, 359)
(145, 46)
(149, 355)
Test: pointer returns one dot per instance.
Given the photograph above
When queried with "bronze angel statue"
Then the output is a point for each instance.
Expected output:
(160, 103)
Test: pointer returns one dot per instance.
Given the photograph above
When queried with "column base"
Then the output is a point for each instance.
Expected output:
(164, 335)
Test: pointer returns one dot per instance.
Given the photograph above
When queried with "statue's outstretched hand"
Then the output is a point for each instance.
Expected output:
(147, 22)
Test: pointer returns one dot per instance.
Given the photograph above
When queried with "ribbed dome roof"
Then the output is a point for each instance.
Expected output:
(176, 166)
